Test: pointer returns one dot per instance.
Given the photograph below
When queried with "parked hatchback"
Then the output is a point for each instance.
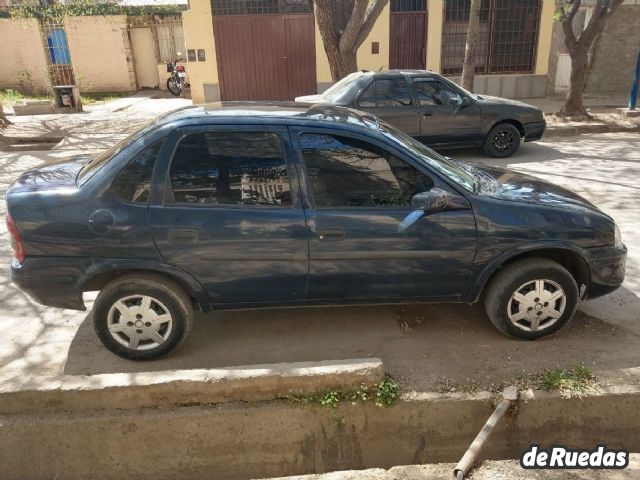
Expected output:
(244, 206)
(436, 111)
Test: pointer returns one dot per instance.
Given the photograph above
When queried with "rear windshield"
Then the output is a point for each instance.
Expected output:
(93, 166)
(343, 91)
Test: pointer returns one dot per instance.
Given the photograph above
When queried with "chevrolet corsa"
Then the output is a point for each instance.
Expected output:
(262, 205)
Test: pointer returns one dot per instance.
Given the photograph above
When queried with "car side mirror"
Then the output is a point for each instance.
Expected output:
(464, 101)
(434, 200)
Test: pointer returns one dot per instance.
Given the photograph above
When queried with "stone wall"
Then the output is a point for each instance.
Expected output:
(614, 58)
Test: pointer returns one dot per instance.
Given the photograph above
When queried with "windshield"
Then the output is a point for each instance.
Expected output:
(449, 168)
(342, 88)
(91, 167)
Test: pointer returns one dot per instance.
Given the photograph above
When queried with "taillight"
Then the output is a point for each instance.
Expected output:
(180, 68)
(16, 241)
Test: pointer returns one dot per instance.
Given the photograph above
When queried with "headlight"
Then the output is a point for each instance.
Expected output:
(617, 237)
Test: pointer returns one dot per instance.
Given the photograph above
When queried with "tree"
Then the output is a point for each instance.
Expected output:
(579, 46)
(469, 65)
(3, 119)
(344, 26)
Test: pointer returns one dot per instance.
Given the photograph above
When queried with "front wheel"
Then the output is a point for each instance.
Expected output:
(174, 86)
(142, 316)
(531, 298)
(502, 141)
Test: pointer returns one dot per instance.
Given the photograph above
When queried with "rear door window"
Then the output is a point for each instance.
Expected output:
(230, 168)
(386, 92)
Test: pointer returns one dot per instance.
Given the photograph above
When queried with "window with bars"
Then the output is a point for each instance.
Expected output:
(507, 37)
(260, 7)
(408, 5)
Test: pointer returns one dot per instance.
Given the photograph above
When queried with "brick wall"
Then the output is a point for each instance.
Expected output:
(100, 53)
(614, 58)
(24, 65)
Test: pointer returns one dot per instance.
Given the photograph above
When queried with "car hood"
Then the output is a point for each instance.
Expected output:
(51, 176)
(513, 186)
(488, 99)
(312, 99)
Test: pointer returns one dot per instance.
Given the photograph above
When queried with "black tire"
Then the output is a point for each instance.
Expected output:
(502, 141)
(507, 282)
(173, 87)
(165, 294)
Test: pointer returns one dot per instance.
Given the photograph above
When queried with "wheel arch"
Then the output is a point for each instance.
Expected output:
(511, 121)
(100, 275)
(569, 258)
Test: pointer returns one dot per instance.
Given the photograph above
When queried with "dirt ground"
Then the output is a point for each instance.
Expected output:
(487, 470)
(425, 347)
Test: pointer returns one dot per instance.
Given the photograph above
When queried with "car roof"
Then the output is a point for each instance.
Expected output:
(289, 113)
(403, 72)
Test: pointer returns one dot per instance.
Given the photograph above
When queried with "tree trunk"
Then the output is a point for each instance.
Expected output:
(573, 105)
(344, 25)
(3, 119)
(469, 65)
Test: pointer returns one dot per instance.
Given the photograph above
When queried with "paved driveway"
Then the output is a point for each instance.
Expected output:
(423, 346)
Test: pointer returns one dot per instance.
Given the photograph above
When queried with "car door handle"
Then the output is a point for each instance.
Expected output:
(426, 114)
(183, 235)
(331, 234)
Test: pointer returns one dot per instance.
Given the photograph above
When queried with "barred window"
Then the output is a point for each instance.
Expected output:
(507, 37)
(408, 5)
(260, 7)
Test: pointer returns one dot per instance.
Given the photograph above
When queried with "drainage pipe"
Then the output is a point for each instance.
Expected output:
(509, 395)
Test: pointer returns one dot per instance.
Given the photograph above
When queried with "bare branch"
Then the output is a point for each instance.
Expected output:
(352, 30)
(373, 12)
(567, 25)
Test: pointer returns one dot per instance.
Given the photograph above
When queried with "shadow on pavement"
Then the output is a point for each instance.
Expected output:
(420, 344)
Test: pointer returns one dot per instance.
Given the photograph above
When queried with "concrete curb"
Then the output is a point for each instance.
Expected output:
(122, 391)
(274, 439)
(570, 131)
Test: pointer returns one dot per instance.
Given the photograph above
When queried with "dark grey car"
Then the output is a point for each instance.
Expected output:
(437, 111)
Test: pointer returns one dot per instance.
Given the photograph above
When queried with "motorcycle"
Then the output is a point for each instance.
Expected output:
(176, 81)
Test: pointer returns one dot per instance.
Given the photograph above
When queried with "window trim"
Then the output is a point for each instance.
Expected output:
(166, 192)
(394, 77)
(307, 191)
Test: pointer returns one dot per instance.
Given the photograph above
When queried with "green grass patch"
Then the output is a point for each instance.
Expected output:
(575, 381)
(384, 394)
(92, 98)
(11, 96)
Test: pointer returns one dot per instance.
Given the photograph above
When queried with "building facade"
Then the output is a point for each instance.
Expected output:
(272, 49)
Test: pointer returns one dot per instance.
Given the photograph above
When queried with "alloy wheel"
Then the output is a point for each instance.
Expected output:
(503, 141)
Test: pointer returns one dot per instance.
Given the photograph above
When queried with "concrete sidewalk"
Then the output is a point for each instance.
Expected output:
(488, 470)
(552, 103)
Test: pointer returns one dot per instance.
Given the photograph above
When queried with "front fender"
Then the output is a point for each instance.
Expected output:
(481, 273)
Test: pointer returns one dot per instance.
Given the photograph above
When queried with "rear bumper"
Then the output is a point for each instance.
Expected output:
(534, 131)
(51, 282)
(607, 267)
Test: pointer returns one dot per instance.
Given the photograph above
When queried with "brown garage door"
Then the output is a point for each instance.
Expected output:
(407, 34)
(264, 56)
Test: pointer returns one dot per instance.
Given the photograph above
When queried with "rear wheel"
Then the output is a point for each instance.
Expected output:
(531, 298)
(174, 86)
(502, 141)
(143, 316)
